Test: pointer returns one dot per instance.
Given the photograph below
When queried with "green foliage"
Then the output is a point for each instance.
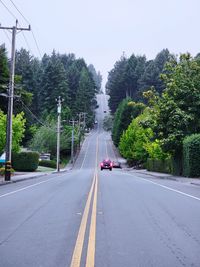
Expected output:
(135, 139)
(4, 77)
(155, 151)
(97, 77)
(48, 163)
(115, 84)
(179, 113)
(45, 139)
(53, 76)
(54, 84)
(125, 113)
(131, 77)
(153, 69)
(18, 131)
(25, 161)
(191, 158)
(159, 165)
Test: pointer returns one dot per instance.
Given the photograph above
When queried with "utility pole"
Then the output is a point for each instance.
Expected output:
(58, 135)
(72, 145)
(14, 30)
(72, 140)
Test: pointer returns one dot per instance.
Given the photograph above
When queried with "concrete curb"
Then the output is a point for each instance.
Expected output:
(166, 177)
(21, 178)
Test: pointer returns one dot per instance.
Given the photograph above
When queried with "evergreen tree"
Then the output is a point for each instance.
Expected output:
(115, 85)
(54, 83)
(4, 78)
(85, 96)
(134, 69)
(96, 77)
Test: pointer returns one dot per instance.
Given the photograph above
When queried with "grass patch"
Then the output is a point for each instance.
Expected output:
(44, 169)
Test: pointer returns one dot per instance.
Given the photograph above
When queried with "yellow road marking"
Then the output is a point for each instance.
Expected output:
(90, 261)
(76, 258)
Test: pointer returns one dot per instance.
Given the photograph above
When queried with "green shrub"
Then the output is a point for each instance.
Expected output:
(25, 161)
(48, 163)
(159, 165)
(191, 156)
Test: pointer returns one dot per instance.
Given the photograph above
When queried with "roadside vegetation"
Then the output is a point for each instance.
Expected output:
(168, 93)
(38, 83)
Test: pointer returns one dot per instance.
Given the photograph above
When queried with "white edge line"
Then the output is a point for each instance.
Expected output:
(86, 151)
(169, 188)
(24, 188)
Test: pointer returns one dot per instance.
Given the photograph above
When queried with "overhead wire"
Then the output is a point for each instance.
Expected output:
(31, 29)
(5, 32)
(7, 9)
(37, 119)
(19, 12)
(26, 41)
(67, 138)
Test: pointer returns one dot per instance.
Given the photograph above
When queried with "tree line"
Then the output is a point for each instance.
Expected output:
(38, 83)
(153, 117)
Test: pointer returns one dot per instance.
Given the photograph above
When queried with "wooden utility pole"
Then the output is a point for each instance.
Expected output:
(58, 135)
(14, 30)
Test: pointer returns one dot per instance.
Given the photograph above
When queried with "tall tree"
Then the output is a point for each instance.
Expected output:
(153, 69)
(54, 83)
(115, 84)
(134, 70)
(97, 77)
(179, 112)
(4, 77)
(85, 95)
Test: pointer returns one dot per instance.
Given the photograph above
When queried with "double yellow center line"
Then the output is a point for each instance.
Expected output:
(76, 257)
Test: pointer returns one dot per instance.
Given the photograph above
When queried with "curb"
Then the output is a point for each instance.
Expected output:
(32, 177)
(159, 177)
(164, 177)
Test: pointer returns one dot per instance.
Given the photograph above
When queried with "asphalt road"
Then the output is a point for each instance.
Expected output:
(87, 217)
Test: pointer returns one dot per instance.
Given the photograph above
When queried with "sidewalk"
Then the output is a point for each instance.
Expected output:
(21, 176)
(159, 175)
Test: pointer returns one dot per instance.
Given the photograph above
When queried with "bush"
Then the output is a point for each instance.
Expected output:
(191, 156)
(48, 163)
(25, 161)
(159, 165)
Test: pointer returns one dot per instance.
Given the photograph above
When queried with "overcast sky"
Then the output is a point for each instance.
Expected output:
(100, 31)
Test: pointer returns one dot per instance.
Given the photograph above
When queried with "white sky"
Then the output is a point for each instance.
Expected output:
(99, 31)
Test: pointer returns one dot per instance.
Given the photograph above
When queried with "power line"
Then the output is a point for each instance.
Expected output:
(8, 9)
(31, 29)
(36, 43)
(18, 22)
(19, 12)
(7, 36)
(38, 120)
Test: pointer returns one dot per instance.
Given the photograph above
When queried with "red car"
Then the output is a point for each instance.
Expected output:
(106, 164)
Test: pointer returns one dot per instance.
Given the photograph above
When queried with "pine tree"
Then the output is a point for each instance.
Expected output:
(4, 77)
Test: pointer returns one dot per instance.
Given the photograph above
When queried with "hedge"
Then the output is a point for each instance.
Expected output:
(158, 165)
(191, 156)
(25, 161)
(48, 163)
